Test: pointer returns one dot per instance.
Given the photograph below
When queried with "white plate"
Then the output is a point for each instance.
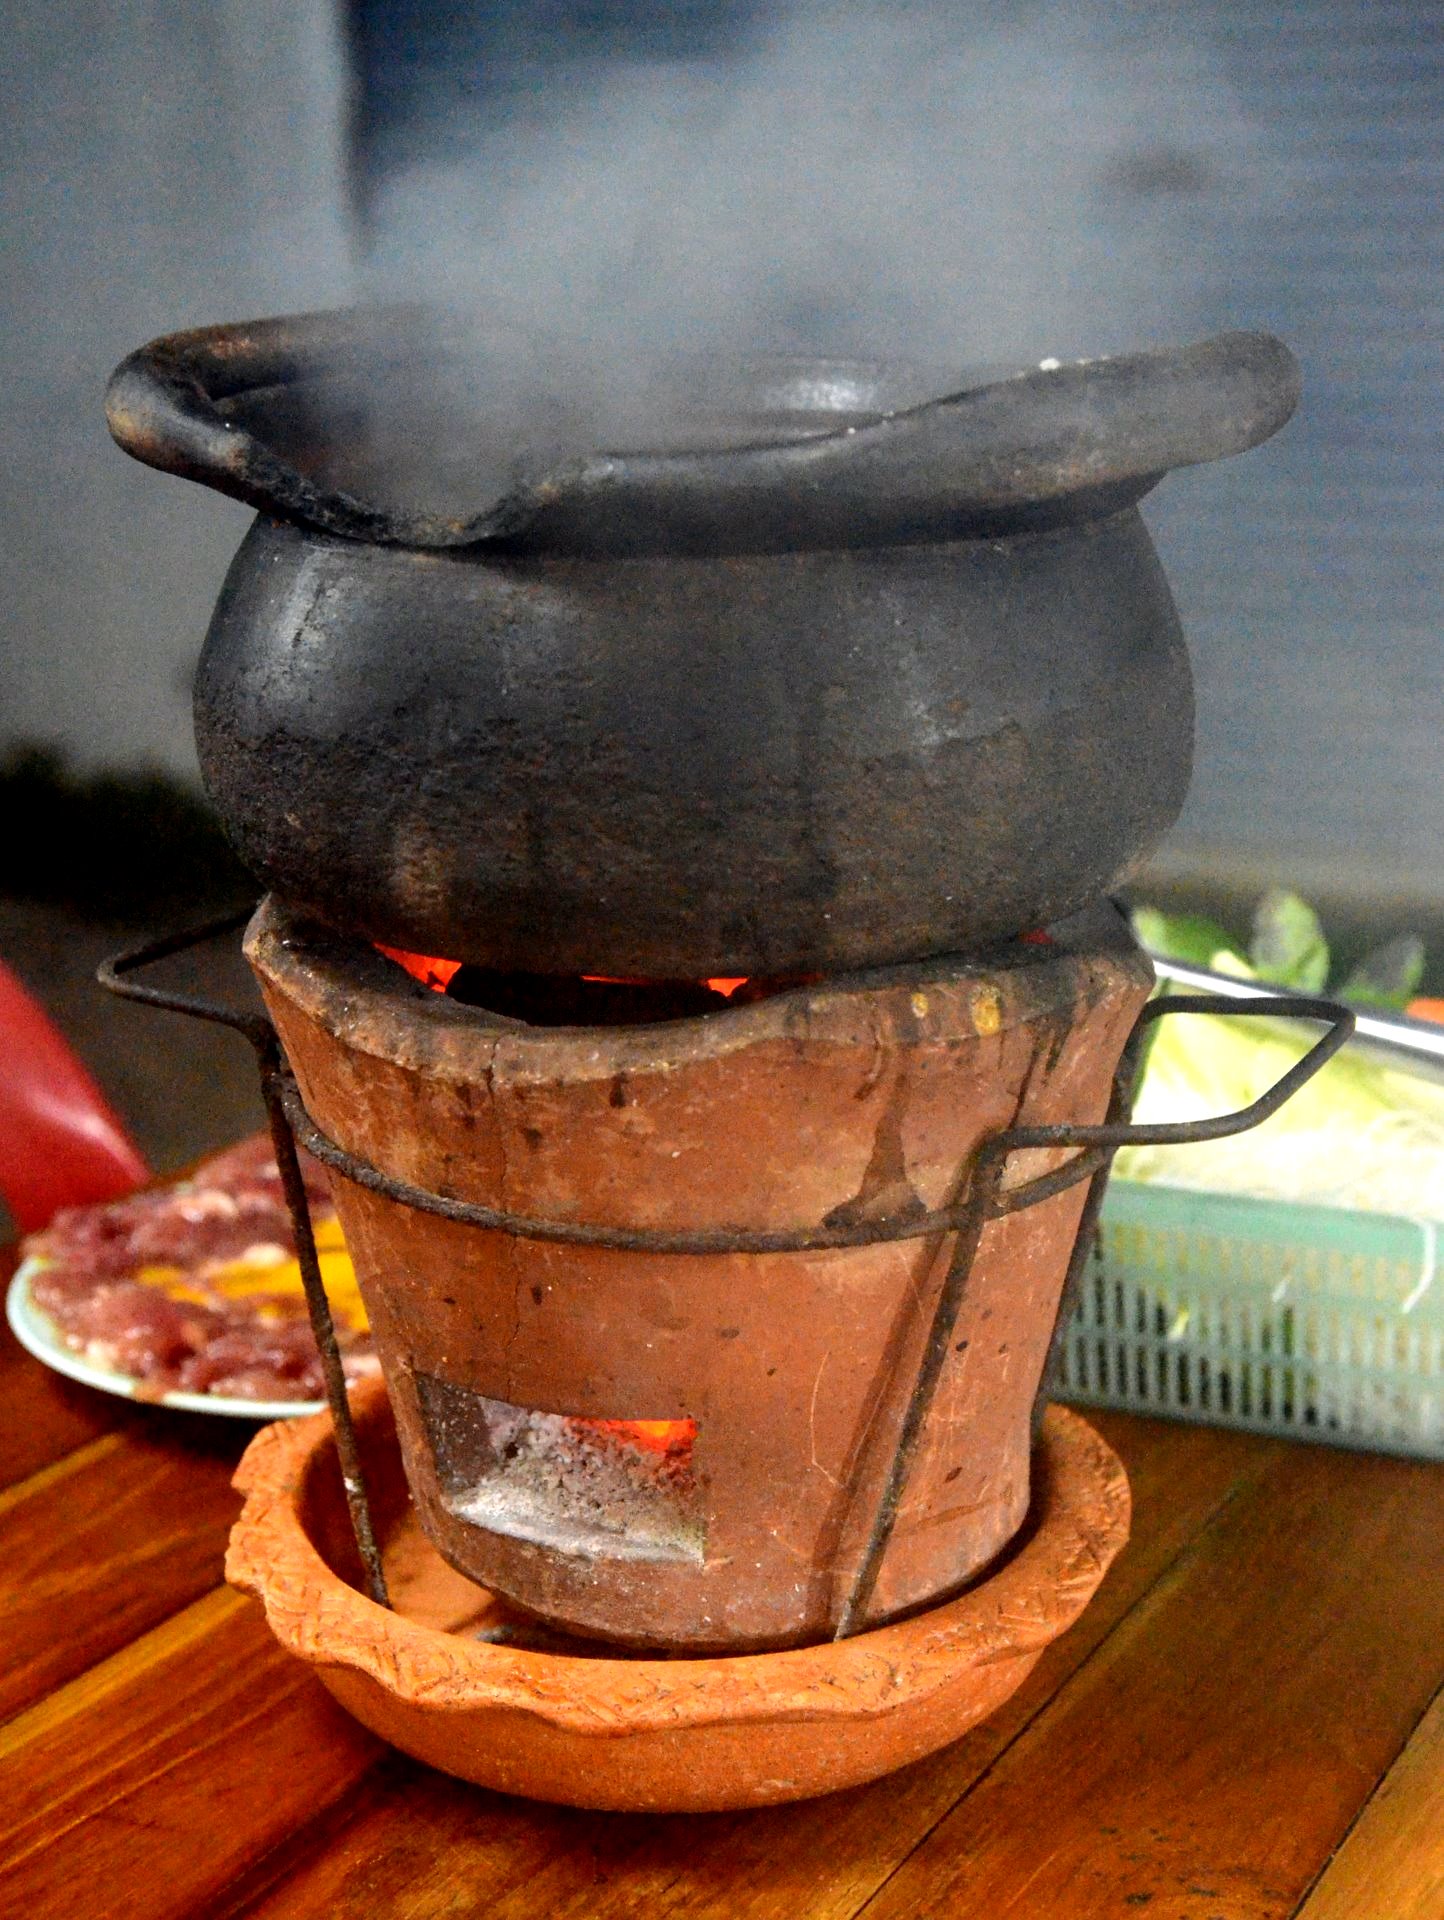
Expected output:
(38, 1334)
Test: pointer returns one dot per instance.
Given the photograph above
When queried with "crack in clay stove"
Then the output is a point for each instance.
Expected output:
(518, 1279)
(812, 1423)
(886, 1190)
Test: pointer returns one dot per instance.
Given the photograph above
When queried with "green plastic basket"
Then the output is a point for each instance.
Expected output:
(1307, 1321)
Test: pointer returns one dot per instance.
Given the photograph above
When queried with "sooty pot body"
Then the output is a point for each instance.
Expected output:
(673, 765)
(836, 674)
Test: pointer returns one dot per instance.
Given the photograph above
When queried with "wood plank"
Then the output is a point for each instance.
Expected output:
(140, 1790)
(418, 1843)
(1208, 1760)
(1391, 1866)
(107, 1543)
(436, 1839)
(44, 1417)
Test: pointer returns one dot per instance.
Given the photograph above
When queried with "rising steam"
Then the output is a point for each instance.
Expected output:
(885, 181)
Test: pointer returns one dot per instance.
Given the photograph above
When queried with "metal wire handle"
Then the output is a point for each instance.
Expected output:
(274, 1073)
(984, 1200)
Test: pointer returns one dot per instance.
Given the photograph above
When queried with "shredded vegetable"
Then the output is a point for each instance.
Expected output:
(1358, 1135)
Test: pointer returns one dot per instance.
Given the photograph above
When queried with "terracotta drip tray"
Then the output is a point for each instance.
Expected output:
(458, 1680)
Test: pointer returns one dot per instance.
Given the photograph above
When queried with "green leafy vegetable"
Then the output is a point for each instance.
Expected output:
(1288, 943)
(1188, 937)
(1357, 1135)
(1389, 976)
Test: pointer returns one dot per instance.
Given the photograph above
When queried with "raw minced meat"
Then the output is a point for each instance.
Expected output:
(194, 1288)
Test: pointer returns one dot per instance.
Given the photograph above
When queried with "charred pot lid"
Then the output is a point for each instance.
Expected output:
(402, 428)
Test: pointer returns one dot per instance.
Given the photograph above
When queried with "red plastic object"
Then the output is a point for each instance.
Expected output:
(60, 1144)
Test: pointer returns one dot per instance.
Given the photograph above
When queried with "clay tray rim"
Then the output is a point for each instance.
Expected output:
(1079, 1525)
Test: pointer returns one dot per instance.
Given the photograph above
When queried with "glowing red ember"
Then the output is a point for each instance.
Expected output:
(433, 973)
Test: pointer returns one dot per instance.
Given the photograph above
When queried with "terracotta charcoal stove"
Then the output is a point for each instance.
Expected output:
(689, 950)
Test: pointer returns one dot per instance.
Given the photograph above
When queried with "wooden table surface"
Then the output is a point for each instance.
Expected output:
(1246, 1724)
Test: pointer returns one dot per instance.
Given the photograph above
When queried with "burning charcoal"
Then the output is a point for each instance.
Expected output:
(546, 1000)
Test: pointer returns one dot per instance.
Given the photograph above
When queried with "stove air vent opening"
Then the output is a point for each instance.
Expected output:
(624, 1489)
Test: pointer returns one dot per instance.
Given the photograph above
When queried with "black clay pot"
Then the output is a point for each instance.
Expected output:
(849, 678)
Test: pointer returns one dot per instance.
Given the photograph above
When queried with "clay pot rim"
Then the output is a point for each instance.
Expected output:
(355, 993)
(1079, 1524)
